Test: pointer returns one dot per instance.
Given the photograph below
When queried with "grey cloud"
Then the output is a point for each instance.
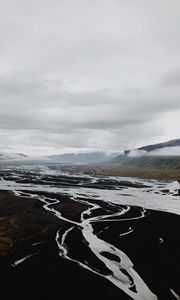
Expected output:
(40, 105)
(172, 79)
(88, 74)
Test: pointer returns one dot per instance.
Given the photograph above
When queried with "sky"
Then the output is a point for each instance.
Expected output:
(79, 75)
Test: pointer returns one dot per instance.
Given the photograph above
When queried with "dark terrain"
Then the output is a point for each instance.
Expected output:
(153, 246)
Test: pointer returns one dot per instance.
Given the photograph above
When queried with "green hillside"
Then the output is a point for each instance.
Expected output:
(149, 162)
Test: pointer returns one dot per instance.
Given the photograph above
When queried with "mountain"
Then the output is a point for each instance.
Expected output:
(161, 156)
(12, 156)
(83, 157)
(66, 158)
(149, 148)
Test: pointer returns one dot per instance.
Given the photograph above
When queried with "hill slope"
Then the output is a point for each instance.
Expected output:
(150, 148)
(152, 157)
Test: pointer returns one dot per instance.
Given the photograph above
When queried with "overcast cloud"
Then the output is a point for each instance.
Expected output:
(80, 74)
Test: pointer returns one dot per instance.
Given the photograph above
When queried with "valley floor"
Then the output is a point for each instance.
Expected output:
(78, 235)
(123, 171)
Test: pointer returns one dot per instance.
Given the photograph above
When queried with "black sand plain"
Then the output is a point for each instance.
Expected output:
(153, 246)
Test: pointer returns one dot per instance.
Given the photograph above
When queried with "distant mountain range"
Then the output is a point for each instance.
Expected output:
(170, 148)
(161, 155)
(12, 156)
(66, 158)
(84, 157)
